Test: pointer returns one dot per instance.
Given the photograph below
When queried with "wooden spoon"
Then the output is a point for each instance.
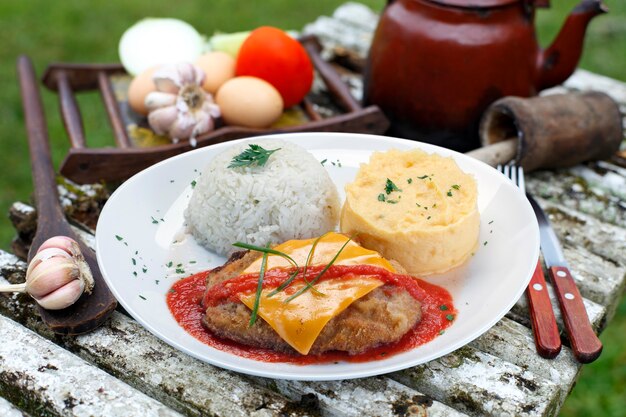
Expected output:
(91, 309)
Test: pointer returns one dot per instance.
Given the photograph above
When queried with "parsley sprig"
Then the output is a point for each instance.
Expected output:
(390, 187)
(254, 155)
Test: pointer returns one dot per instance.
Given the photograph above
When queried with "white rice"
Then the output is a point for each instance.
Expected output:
(290, 197)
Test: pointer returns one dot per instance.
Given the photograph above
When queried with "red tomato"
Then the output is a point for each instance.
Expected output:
(271, 54)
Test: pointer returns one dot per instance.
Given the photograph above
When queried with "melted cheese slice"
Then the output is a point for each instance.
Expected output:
(300, 321)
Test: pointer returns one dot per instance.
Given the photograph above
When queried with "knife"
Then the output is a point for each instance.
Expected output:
(545, 330)
(584, 341)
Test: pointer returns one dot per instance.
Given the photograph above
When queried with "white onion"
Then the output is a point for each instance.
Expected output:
(155, 41)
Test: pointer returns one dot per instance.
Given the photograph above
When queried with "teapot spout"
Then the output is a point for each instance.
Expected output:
(558, 62)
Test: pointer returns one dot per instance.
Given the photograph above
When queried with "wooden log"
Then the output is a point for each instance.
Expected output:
(378, 396)
(46, 379)
(585, 190)
(9, 410)
(584, 80)
(351, 27)
(514, 343)
(480, 384)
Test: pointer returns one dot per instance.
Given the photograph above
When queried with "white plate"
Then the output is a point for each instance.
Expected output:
(146, 214)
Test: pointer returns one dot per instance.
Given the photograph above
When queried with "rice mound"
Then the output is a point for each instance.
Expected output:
(290, 197)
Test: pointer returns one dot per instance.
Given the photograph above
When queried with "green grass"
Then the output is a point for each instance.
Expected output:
(79, 31)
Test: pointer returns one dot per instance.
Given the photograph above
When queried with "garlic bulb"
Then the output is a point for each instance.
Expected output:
(57, 276)
(180, 108)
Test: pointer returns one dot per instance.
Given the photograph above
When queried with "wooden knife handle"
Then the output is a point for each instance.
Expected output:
(545, 330)
(585, 343)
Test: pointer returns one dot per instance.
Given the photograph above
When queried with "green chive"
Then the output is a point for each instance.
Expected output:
(259, 288)
(302, 290)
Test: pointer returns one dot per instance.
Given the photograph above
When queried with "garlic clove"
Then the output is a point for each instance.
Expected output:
(68, 244)
(157, 99)
(63, 297)
(49, 275)
(161, 119)
(165, 84)
(45, 254)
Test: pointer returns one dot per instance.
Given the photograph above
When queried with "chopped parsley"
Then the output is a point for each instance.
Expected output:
(441, 332)
(134, 261)
(254, 155)
(409, 180)
(428, 218)
(142, 297)
(485, 243)
(180, 271)
(456, 186)
(135, 273)
(169, 264)
(449, 193)
(193, 184)
(450, 317)
(392, 201)
(390, 187)
(443, 307)
(119, 238)
(490, 222)
(323, 161)
(381, 197)
(144, 270)
(423, 177)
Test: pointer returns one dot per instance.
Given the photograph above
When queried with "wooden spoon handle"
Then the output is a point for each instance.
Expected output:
(90, 310)
(585, 343)
(46, 195)
(545, 330)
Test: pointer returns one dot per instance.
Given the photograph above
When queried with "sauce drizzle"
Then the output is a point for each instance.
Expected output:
(185, 300)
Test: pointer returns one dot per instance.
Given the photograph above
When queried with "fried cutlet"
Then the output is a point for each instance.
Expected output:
(380, 317)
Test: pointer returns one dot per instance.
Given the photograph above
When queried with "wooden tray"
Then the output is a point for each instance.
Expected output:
(89, 165)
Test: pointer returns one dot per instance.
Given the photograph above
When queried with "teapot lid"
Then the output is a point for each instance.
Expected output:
(475, 4)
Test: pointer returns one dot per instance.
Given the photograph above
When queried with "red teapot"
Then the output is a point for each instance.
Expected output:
(435, 65)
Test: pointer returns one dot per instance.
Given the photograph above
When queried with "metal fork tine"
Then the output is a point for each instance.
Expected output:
(520, 178)
(545, 330)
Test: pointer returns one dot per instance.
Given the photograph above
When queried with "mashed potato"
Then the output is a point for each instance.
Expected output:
(416, 208)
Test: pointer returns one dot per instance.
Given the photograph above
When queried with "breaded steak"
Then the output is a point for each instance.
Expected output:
(382, 316)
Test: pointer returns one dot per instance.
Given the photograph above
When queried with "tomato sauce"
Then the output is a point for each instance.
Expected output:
(185, 301)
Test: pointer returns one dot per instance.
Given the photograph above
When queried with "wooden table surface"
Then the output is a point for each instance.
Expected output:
(122, 370)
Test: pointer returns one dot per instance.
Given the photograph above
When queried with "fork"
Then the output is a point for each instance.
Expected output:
(545, 329)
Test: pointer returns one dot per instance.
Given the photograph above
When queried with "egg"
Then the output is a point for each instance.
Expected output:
(218, 68)
(139, 88)
(249, 101)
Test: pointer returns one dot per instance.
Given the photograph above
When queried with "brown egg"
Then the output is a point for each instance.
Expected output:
(249, 101)
(139, 88)
(218, 67)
